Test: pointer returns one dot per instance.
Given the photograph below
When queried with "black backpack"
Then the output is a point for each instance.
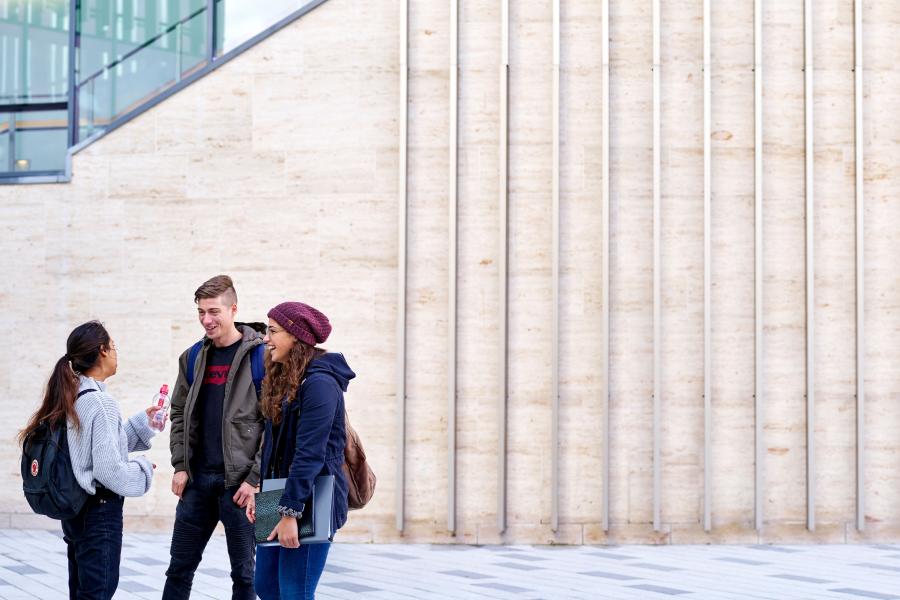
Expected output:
(47, 477)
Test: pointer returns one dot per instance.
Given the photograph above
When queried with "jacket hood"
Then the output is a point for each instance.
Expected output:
(252, 334)
(335, 365)
(255, 326)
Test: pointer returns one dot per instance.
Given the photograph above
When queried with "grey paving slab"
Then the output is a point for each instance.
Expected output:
(605, 575)
(134, 586)
(742, 561)
(766, 548)
(214, 572)
(395, 556)
(667, 568)
(504, 587)
(894, 568)
(466, 574)
(613, 555)
(25, 569)
(525, 557)
(800, 578)
(517, 566)
(866, 594)
(350, 587)
(338, 569)
(658, 589)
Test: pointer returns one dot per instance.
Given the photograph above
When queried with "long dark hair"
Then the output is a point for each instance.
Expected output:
(82, 352)
(283, 379)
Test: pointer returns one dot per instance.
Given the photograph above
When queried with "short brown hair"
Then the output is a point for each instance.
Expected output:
(220, 285)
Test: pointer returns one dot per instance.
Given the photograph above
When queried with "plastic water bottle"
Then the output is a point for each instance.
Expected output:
(162, 401)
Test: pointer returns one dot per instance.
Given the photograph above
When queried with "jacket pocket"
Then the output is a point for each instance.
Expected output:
(245, 435)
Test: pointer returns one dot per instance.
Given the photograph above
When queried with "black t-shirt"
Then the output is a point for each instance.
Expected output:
(210, 402)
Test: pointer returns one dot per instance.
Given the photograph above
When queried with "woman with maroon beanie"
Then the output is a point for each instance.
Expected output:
(303, 403)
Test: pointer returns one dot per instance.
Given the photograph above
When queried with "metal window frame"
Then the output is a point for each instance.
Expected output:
(33, 106)
(210, 32)
(11, 159)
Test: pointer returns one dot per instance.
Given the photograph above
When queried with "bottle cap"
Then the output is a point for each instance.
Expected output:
(164, 390)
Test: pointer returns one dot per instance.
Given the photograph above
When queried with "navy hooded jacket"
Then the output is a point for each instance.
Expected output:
(311, 437)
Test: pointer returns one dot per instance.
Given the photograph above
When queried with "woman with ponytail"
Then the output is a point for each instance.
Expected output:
(99, 442)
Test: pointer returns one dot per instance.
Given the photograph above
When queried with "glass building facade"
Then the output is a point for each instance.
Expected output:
(34, 82)
(126, 54)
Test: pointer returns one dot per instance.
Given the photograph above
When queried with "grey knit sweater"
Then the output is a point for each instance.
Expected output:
(99, 449)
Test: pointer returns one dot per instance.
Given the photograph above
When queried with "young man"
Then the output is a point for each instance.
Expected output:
(215, 443)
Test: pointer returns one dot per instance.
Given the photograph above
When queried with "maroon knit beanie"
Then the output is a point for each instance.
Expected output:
(302, 321)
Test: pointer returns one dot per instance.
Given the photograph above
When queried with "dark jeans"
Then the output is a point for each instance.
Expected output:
(289, 573)
(94, 544)
(204, 503)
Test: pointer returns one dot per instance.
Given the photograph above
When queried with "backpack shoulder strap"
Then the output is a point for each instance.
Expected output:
(192, 361)
(258, 367)
(83, 392)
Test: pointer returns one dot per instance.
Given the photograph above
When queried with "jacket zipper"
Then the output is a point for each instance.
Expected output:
(232, 373)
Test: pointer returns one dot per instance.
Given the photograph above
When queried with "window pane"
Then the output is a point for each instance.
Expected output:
(143, 70)
(32, 142)
(34, 43)
(111, 29)
(40, 150)
(239, 20)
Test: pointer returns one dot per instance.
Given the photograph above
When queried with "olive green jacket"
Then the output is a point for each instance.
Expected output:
(241, 416)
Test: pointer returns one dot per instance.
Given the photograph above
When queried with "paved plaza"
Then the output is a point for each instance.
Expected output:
(33, 565)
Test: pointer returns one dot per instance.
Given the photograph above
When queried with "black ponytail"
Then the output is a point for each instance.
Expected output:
(83, 349)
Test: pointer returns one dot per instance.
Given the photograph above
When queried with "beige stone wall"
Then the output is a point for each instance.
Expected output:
(281, 168)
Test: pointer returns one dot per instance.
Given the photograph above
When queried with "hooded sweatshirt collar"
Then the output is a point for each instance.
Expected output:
(334, 364)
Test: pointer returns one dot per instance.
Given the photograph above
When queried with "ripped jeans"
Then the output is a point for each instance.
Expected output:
(204, 503)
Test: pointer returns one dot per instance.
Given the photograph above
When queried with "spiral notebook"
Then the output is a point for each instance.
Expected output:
(314, 525)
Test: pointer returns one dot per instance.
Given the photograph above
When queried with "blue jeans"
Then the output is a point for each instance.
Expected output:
(204, 502)
(94, 544)
(289, 573)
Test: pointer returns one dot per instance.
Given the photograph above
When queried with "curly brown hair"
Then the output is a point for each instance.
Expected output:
(283, 379)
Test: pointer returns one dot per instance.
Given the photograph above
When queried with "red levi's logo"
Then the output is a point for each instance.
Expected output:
(216, 375)
(35, 468)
